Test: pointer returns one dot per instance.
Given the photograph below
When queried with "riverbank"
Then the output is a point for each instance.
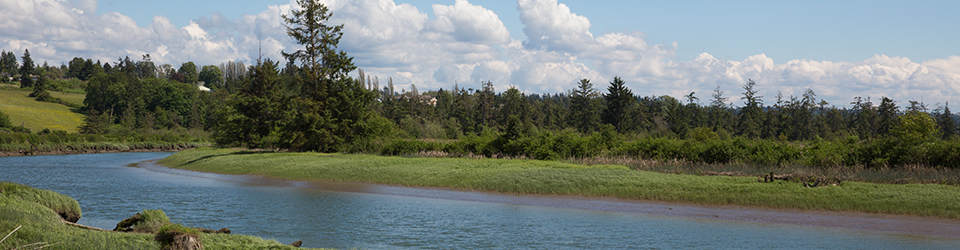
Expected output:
(7, 150)
(556, 178)
(29, 218)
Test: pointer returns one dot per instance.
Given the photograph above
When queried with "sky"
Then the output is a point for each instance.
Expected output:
(840, 49)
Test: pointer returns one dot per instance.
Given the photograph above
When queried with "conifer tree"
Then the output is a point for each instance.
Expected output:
(27, 70)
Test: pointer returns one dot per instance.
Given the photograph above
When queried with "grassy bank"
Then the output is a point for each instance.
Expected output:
(33, 211)
(37, 115)
(550, 177)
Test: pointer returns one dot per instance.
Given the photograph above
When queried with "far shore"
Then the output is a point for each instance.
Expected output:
(68, 151)
(904, 223)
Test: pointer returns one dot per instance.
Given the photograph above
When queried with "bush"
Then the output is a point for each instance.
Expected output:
(402, 147)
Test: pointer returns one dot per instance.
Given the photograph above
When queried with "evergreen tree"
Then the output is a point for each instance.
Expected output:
(331, 109)
(583, 107)
(948, 126)
(8, 64)
(26, 70)
(751, 115)
(620, 103)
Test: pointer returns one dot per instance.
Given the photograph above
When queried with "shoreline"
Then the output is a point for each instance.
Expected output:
(888, 223)
(89, 151)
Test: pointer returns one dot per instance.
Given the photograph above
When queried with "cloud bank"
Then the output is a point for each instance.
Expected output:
(466, 44)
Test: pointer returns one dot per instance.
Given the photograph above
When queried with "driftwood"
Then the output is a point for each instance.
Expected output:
(814, 181)
(211, 231)
(85, 227)
(767, 178)
(125, 224)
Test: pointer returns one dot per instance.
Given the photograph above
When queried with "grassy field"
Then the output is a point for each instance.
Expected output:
(40, 227)
(550, 177)
(39, 115)
(75, 98)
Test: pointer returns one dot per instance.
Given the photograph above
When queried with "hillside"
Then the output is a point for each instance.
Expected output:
(39, 115)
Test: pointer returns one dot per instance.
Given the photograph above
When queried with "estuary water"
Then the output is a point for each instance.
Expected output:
(112, 187)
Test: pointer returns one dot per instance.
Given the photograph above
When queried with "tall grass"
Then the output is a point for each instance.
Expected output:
(551, 177)
(63, 205)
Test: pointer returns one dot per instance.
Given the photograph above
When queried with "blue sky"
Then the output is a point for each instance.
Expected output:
(840, 49)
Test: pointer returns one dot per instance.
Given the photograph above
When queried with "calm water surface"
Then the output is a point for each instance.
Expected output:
(110, 190)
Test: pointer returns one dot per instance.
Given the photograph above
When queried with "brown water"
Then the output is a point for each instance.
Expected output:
(350, 215)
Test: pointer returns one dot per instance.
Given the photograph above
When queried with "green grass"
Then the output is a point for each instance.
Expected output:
(38, 115)
(75, 98)
(549, 177)
(40, 224)
(61, 204)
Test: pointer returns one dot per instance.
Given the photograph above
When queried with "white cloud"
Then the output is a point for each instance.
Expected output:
(467, 44)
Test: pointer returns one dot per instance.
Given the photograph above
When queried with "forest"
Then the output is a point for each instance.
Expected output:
(317, 100)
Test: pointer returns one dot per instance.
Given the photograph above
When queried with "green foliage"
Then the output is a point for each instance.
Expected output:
(27, 70)
(5, 121)
(620, 104)
(8, 65)
(405, 147)
(189, 72)
(211, 76)
(584, 109)
(153, 221)
(255, 115)
(331, 108)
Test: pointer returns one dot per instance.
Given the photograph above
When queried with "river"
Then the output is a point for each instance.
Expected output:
(111, 187)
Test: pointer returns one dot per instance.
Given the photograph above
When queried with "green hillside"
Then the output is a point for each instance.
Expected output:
(39, 115)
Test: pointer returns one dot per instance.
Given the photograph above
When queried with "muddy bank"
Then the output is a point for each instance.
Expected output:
(844, 220)
(70, 151)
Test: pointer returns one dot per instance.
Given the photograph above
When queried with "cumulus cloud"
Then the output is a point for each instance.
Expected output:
(466, 44)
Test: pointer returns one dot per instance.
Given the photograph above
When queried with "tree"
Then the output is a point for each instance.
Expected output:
(189, 72)
(8, 64)
(76, 65)
(751, 115)
(26, 70)
(583, 107)
(948, 126)
(331, 108)
(211, 76)
(620, 103)
(719, 114)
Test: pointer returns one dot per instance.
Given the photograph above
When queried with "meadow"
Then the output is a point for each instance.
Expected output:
(524, 176)
(36, 115)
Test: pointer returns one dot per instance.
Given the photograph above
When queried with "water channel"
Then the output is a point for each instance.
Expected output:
(110, 189)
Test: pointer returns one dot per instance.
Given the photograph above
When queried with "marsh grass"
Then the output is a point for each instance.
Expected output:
(907, 174)
(30, 209)
(61, 204)
(560, 178)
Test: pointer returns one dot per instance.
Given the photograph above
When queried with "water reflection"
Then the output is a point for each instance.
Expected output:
(108, 191)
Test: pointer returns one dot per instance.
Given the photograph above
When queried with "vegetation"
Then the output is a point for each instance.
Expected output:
(28, 216)
(36, 116)
(546, 177)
